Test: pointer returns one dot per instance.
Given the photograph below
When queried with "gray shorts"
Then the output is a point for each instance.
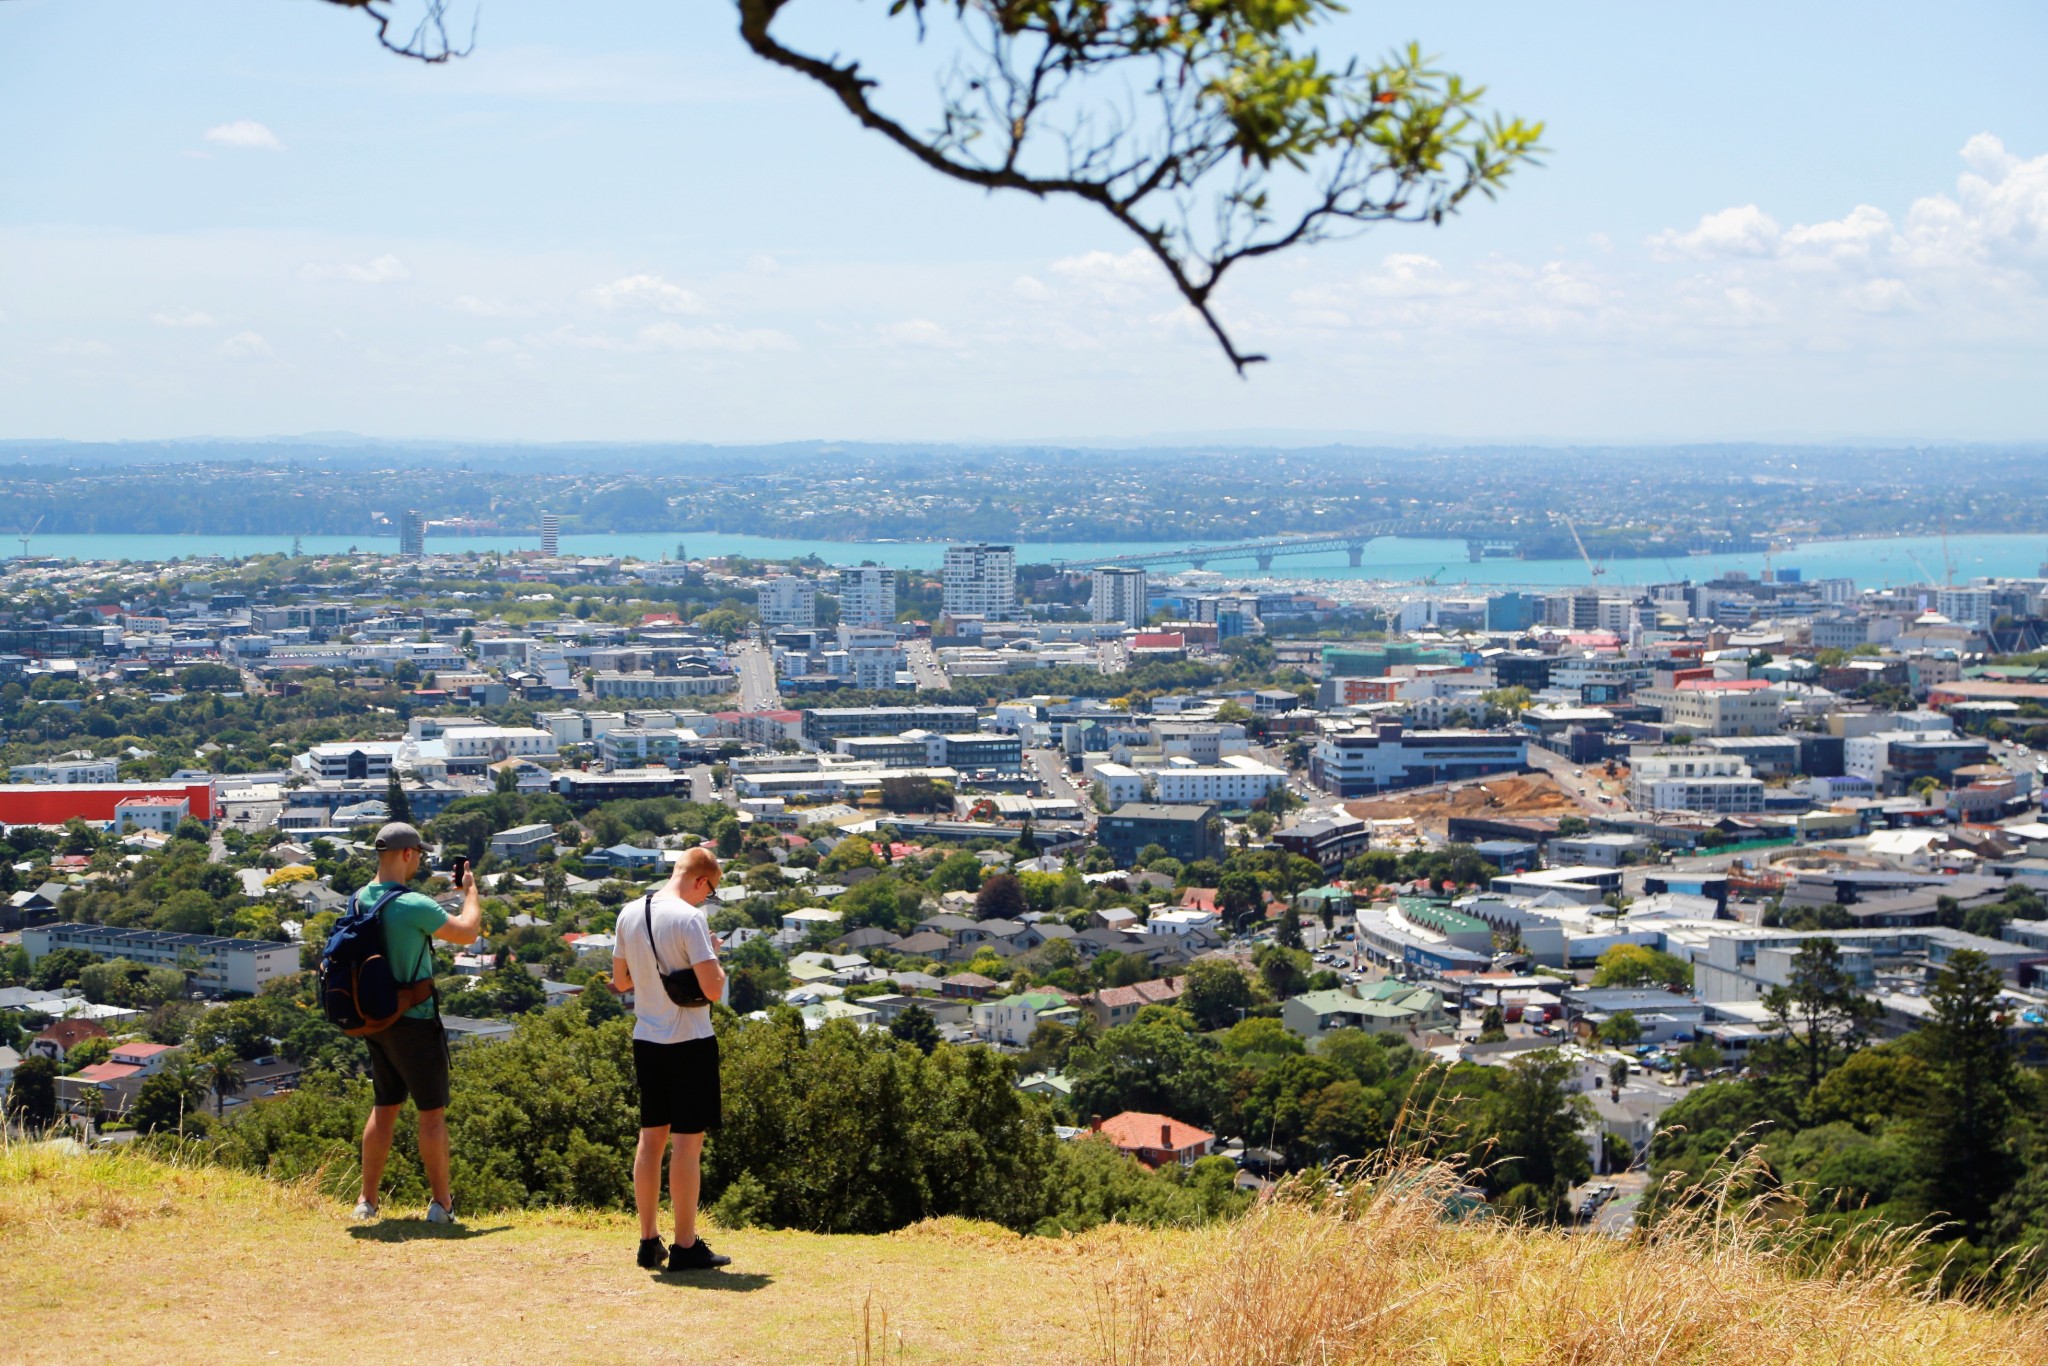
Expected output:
(410, 1059)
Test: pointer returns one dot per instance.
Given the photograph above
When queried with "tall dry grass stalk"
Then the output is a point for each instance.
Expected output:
(1375, 1268)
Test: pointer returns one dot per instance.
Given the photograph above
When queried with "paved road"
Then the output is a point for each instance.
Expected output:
(925, 666)
(756, 666)
(1588, 787)
(1050, 767)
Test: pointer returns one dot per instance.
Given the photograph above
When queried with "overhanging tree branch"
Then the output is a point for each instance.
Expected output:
(1155, 110)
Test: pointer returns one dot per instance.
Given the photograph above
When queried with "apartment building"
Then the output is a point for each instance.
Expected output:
(660, 687)
(1694, 779)
(980, 581)
(1120, 596)
(867, 596)
(787, 600)
(67, 770)
(1235, 782)
(224, 965)
(1723, 707)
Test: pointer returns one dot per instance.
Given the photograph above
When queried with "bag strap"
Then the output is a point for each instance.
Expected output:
(648, 923)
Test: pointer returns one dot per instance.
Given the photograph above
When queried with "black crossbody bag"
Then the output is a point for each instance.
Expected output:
(682, 987)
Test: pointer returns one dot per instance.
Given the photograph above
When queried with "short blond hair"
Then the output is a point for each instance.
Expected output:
(697, 862)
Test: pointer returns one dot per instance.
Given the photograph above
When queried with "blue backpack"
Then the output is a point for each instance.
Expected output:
(359, 993)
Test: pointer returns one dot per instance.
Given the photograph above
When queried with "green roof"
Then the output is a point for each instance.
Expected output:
(1326, 894)
(1441, 918)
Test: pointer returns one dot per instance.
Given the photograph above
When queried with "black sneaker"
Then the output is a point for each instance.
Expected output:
(652, 1253)
(698, 1256)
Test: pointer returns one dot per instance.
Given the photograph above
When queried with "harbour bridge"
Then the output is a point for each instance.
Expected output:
(1481, 543)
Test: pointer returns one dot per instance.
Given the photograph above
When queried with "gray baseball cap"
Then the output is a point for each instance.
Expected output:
(399, 835)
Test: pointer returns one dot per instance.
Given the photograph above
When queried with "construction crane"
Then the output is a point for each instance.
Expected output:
(26, 535)
(1594, 569)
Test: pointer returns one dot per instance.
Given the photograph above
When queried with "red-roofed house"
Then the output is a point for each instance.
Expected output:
(117, 1080)
(1113, 1006)
(161, 814)
(1724, 707)
(1156, 1140)
(61, 1037)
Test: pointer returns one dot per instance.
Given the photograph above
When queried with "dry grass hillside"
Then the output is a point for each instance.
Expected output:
(121, 1258)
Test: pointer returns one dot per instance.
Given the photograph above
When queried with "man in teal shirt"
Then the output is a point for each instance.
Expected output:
(410, 1059)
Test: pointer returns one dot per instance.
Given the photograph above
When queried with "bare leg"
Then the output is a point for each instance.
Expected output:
(434, 1154)
(684, 1176)
(377, 1147)
(647, 1179)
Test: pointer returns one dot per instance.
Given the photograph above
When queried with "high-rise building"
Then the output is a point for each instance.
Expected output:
(412, 533)
(1120, 596)
(550, 534)
(867, 596)
(981, 581)
(787, 600)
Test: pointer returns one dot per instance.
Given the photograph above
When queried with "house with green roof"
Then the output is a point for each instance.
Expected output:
(1387, 1007)
(1013, 1019)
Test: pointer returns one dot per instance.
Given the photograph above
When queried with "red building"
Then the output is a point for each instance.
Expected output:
(56, 803)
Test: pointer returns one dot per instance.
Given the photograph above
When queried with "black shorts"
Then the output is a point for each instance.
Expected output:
(678, 1085)
(410, 1059)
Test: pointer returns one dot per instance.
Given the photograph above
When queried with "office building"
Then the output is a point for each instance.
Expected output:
(412, 533)
(550, 535)
(787, 600)
(1184, 832)
(1386, 757)
(1120, 596)
(867, 596)
(980, 581)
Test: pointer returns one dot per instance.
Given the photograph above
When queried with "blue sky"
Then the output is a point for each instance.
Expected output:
(243, 219)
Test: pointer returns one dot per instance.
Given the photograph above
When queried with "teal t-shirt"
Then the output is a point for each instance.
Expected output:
(409, 925)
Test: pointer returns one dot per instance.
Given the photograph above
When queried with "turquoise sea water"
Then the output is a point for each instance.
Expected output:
(1871, 563)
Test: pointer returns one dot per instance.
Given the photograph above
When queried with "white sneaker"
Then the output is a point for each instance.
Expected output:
(365, 1210)
(438, 1213)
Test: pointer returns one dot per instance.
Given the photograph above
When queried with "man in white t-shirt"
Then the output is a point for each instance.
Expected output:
(675, 1053)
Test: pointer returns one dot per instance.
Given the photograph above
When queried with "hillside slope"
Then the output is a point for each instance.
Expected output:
(121, 1258)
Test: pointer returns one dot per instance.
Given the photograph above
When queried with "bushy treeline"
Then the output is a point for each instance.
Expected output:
(1940, 1130)
(835, 1130)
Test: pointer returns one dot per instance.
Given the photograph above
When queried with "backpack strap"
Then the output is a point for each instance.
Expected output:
(412, 993)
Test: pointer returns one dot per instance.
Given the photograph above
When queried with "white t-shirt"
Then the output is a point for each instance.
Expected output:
(684, 935)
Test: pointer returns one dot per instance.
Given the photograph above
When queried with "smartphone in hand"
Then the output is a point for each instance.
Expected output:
(458, 871)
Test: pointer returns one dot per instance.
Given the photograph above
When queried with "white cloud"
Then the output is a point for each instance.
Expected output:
(245, 133)
(86, 349)
(672, 337)
(921, 332)
(246, 346)
(486, 308)
(716, 337)
(1743, 231)
(644, 292)
(384, 270)
(192, 319)
(1030, 288)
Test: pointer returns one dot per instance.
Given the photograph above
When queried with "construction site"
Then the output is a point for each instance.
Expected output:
(1507, 797)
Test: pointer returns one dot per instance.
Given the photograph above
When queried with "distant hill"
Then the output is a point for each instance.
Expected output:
(124, 1258)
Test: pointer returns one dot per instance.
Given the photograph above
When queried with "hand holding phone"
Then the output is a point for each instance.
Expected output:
(458, 874)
